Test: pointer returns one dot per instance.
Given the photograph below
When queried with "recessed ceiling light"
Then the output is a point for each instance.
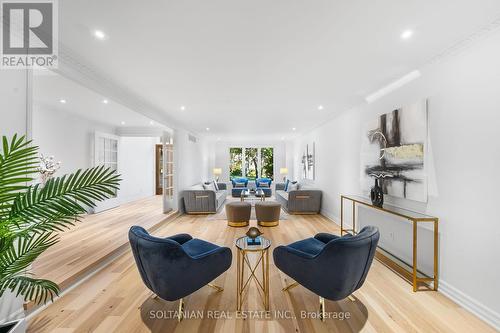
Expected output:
(406, 34)
(151, 122)
(282, 138)
(321, 107)
(293, 128)
(105, 101)
(62, 101)
(208, 128)
(183, 108)
(218, 139)
(99, 34)
(123, 123)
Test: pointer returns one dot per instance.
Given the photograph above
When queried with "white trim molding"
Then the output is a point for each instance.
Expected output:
(470, 304)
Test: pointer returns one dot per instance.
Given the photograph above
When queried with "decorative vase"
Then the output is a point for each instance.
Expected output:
(377, 195)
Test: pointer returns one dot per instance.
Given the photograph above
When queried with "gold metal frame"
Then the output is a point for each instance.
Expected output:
(243, 284)
(415, 280)
(238, 224)
(201, 213)
(268, 223)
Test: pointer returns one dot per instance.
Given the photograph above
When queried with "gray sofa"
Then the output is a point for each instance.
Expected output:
(197, 200)
(301, 201)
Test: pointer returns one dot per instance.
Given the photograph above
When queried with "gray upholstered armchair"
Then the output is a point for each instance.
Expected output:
(176, 266)
(330, 266)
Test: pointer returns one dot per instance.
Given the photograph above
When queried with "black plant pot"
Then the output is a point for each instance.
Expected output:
(377, 195)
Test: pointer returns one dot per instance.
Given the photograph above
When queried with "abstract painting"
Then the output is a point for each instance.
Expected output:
(308, 161)
(393, 150)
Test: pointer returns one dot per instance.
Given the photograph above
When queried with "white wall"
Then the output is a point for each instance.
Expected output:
(68, 137)
(13, 102)
(136, 165)
(191, 160)
(13, 113)
(221, 159)
(464, 118)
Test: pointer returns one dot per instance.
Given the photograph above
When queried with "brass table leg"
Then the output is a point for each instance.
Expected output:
(217, 288)
(290, 286)
(415, 283)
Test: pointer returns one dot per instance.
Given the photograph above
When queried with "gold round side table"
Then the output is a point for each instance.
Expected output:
(243, 262)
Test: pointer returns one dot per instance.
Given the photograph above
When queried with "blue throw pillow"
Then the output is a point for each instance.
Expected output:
(286, 184)
(216, 186)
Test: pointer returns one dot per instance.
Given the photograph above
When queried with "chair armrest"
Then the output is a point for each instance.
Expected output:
(222, 186)
(325, 238)
(304, 200)
(280, 186)
(180, 238)
(294, 252)
(210, 253)
(199, 200)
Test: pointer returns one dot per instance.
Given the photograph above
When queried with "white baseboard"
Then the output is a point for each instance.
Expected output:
(471, 304)
(465, 301)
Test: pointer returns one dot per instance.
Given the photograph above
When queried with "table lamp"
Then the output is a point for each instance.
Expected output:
(217, 172)
(284, 172)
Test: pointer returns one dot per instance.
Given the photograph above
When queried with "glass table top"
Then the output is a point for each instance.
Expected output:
(257, 193)
(241, 243)
(403, 212)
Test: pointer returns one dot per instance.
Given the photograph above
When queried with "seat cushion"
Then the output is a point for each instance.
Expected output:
(282, 194)
(220, 195)
(311, 246)
(196, 247)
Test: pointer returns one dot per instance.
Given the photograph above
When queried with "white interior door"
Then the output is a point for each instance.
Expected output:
(168, 175)
(106, 153)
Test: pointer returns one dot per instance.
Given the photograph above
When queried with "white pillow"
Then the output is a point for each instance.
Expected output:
(209, 187)
(292, 187)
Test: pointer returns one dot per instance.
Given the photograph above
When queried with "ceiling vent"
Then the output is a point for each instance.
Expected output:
(192, 138)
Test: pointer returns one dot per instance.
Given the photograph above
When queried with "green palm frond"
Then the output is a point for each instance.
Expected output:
(37, 290)
(18, 161)
(32, 215)
(19, 256)
(65, 196)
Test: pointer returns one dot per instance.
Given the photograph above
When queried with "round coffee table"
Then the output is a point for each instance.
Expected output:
(243, 282)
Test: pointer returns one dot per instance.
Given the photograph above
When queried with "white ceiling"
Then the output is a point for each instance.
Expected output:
(49, 88)
(260, 67)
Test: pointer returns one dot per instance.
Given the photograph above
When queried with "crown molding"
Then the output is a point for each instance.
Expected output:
(75, 68)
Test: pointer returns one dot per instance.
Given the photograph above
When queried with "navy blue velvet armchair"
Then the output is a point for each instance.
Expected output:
(330, 266)
(177, 266)
(265, 185)
(239, 184)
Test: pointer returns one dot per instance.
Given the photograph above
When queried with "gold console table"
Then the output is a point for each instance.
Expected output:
(413, 273)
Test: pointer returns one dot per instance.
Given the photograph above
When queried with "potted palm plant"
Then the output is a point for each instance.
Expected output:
(32, 215)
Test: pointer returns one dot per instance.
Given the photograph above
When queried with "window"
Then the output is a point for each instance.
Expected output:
(235, 162)
(267, 162)
(251, 162)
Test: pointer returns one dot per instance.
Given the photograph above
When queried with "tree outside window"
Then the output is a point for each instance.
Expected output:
(236, 162)
(252, 162)
(267, 162)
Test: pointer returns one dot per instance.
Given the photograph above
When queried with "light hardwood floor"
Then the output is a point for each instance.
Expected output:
(116, 300)
(95, 238)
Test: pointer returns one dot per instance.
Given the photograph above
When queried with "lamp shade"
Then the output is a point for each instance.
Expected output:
(283, 171)
(217, 171)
